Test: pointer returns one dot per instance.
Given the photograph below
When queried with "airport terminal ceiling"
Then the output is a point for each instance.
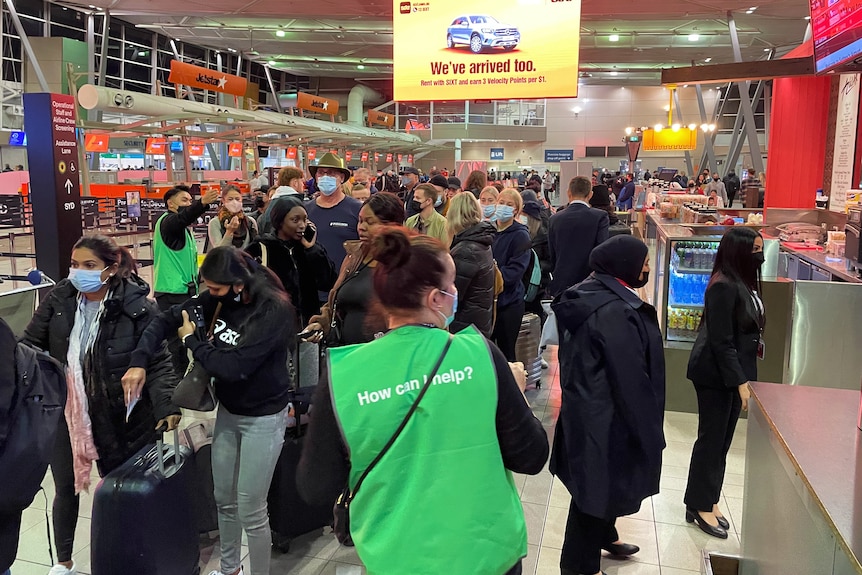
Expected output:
(621, 42)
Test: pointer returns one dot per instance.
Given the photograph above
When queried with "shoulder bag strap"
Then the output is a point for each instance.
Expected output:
(405, 420)
(263, 255)
(213, 322)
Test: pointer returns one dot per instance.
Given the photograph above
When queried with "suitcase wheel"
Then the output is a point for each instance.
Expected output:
(280, 543)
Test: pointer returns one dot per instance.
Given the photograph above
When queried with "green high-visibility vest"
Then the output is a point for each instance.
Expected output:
(173, 269)
(441, 500)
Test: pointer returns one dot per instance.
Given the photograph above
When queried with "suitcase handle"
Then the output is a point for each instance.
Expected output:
(161, 450)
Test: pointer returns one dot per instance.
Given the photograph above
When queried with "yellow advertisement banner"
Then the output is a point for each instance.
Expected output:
(496, 49)
(669, 140)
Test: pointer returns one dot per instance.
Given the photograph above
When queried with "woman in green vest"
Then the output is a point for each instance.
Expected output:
(442, 498)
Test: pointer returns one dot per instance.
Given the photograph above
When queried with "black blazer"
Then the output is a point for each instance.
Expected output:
(572, 235)
(725, 352)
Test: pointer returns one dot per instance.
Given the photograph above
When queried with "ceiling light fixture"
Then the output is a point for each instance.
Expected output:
(667, 107)
(766, 49)
(614, 38)
(629, 131)
(614, 72)
(749, 11)
(360, 67)
(693, 37)
(692, 126)
(233, 50)
(753, 8)
(658, 128)
(271, 63)
(807, 18)
(676, 127)
(280, 33)
(707, 60)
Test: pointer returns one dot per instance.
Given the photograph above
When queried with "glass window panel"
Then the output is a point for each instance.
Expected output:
(68, 17)
(66, 32)
(114, 68)
(136, 72)
(34, 8)
(115, 29)
(139, 36)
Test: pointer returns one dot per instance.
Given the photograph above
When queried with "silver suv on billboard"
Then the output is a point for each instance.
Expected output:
(481, 32)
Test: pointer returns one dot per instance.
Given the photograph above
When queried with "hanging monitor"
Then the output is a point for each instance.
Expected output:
(836, 27)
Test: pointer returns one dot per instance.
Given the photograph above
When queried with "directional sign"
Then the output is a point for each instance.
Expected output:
(52, 153)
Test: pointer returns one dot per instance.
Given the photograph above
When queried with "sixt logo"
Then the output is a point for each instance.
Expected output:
(318, 104)
(405, 7)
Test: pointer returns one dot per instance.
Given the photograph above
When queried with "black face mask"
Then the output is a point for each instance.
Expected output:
(641, 282)
(715, 179)
(416, 205)
(230, 299)
(758, 258)
(182, 209)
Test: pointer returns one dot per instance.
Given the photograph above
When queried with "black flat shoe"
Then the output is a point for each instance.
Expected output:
(621, 549)
(723, 522)
(692, 516)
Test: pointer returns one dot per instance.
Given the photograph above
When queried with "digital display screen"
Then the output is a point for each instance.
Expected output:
(176, 146)
(837, 30)
(17, 139)
(512, 49)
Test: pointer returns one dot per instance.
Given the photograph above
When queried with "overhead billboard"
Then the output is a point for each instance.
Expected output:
(206, 79)
(668, 140)
(500, 48)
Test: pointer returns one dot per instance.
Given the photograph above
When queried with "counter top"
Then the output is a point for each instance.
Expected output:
(817, 429)
(819, 259)
(670, 228)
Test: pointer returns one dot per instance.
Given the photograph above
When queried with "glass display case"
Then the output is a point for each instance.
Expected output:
(689, 269)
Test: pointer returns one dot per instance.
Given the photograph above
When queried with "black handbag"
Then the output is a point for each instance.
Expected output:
(194, 391)
(341, 510)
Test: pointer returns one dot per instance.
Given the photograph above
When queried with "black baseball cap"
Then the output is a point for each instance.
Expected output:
(410, 170)
(454, 183)
(439, 181)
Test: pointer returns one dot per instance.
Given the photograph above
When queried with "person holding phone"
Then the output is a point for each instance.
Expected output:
(231, 226)
(303, 266)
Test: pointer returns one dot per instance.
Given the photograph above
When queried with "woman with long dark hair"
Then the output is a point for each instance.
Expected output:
(353, 313)
(476, 181)
(431, 503)
(253, 325)
(722, 363)
(91, 323)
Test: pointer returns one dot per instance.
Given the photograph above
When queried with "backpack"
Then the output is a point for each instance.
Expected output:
(532, 277)
(28, 425)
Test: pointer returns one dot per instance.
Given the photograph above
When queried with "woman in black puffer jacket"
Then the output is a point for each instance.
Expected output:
(474, 264)
(99, 313)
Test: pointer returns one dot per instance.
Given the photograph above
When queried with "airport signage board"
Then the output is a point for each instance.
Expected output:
(498, 153)
(319, 104)
(455, 50)
(206, 79)
(555, 156)
(669, 140)
(380, 119)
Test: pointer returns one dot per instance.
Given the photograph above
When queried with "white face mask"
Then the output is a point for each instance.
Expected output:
(233, 206)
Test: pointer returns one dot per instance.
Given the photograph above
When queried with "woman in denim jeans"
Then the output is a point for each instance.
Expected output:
(252, 328)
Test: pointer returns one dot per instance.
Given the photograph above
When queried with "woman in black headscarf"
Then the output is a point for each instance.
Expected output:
(609, 437)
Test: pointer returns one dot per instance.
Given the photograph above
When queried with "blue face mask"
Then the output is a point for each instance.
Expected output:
(86, 281)
(489, 211)
(327, 185)
(448, 319)
(505, 213)
(438, 201)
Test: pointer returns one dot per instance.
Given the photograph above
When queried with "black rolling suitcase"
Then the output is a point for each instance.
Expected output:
(289, 515)
(199, 438)
(143, 521)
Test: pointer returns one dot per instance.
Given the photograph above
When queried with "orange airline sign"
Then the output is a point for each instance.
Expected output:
(312, 153)
(235, 150)
(206, 79)
(364, 156)
(196, 148)
(291, 153)
(348, 155)
(96, 142)
(156, 146)
(380, 118)
(312, 103)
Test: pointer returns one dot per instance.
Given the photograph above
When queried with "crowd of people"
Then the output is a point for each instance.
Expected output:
(390, 286)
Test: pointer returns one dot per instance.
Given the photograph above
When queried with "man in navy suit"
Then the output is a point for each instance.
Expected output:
(626, 198)
(572, 235)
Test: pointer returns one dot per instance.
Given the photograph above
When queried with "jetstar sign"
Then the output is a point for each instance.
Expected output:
(313, 103)
(197, 77)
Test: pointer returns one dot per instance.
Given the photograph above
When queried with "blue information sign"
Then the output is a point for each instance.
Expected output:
(559, 155)
(497, 153)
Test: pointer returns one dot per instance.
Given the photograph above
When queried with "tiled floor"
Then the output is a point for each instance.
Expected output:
(668, 545)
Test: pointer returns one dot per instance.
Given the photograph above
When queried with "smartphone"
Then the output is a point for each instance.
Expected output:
(308, 234)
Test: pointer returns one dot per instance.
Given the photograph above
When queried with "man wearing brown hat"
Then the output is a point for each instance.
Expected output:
(334, 214)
